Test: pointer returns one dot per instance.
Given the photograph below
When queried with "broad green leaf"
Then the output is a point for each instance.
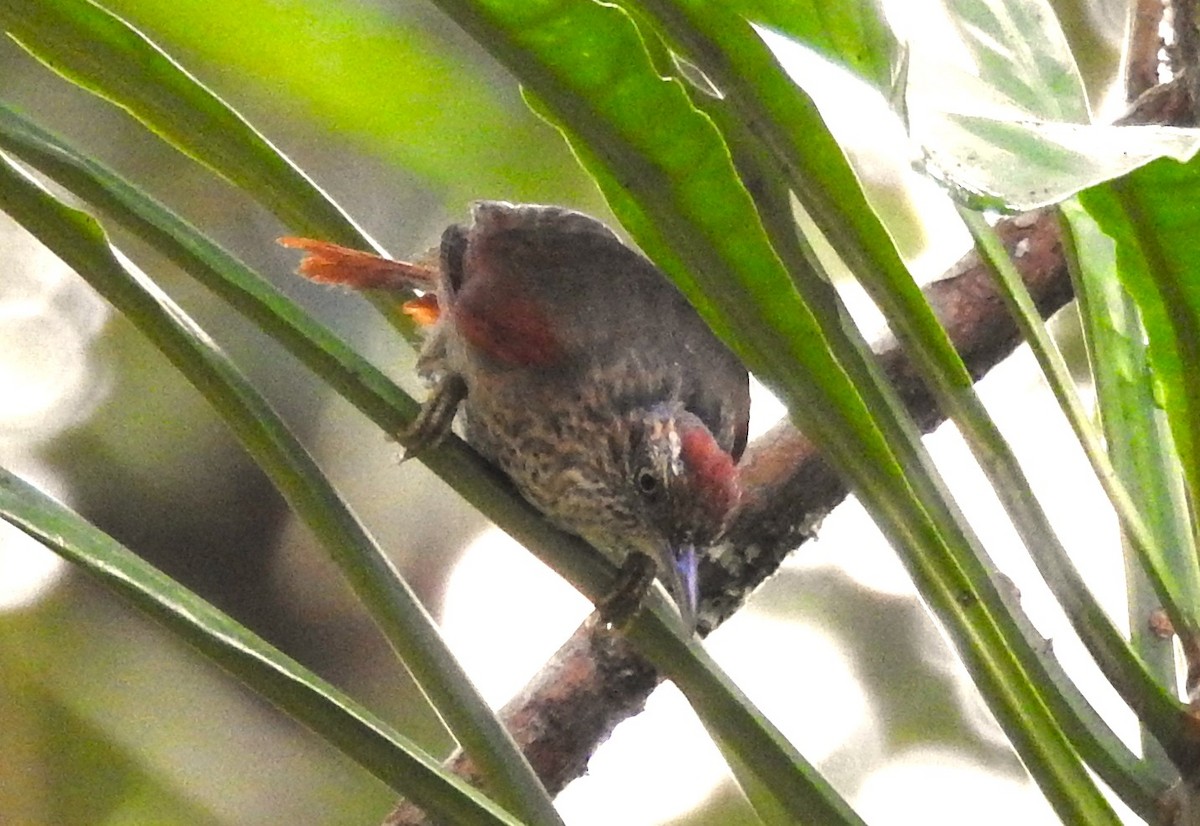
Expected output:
(305, 696)
(1017, 164)
(1016, 56)
(853, 34)
(1005, 125)
(80, 242)
(409, 94)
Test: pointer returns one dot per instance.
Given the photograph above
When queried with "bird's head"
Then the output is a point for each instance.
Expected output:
(681, 487)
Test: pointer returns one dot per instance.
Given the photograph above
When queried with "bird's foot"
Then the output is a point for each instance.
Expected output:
(436, 416)
(633, 582)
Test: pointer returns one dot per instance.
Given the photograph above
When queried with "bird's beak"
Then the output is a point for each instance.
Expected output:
(678, 573)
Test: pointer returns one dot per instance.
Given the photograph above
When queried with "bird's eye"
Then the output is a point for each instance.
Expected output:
(647, 484)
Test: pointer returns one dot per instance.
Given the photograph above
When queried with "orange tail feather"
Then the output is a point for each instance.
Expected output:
(424, 310)
(328, 263)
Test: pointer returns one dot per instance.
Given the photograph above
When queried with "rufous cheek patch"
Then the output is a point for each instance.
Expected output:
(711, 470)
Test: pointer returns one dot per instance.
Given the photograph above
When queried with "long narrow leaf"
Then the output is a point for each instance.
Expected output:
(1135, 432)
(80, 242)
(302, 694)
(1151, 216)
(1136, 435)
(786, 121)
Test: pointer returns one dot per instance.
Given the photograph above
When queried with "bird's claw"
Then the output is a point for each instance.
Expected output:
(633, 582)
(436, 417)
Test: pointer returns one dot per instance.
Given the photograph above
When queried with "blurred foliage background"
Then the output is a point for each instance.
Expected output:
(104, 719)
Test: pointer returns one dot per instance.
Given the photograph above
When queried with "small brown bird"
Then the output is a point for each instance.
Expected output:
(583, 374)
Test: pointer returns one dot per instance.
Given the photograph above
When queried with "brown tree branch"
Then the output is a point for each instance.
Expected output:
(1142, 60)
(1184, 52)
(596, 680)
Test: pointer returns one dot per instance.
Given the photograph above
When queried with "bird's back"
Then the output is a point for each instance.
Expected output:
(544, 302)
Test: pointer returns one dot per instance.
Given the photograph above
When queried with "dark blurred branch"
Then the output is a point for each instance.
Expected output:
(1142, 60)
(596, 680)
(1184, 52)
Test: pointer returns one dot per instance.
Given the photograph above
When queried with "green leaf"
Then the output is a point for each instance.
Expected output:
(246, 291)
(1008, 127)
(786, 122)
(1150, 216)
(100, 52)
(854, 34)
(1018, 164)
(1017, 56)
(80, 242)
(410, 95)
(1166, 717)
(283, 681)
(1137, 439)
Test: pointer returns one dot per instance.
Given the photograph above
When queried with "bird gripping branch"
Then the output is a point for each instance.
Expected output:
(581, 372)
